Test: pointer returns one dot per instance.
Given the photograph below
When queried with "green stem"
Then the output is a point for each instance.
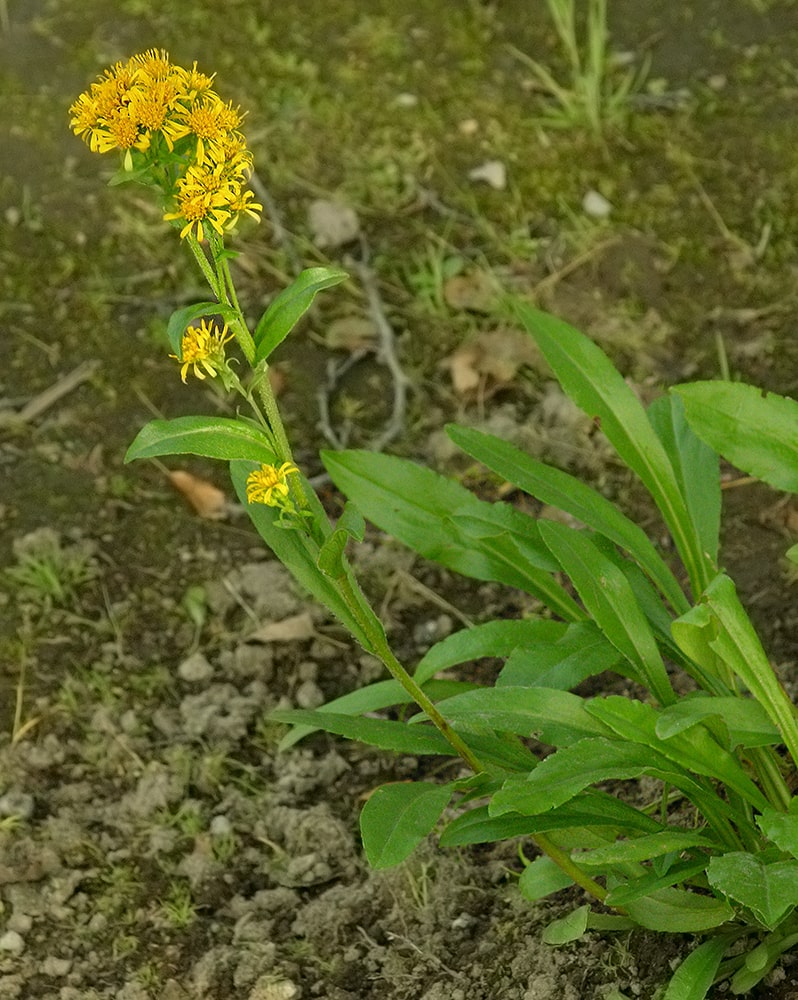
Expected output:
(564, 861)
(204, 265)
(375, 634)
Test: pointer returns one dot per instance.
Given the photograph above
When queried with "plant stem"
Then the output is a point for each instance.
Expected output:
(375, 633)
(564, 861)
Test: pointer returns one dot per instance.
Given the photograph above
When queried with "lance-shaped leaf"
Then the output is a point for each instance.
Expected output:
(695, 976)
(569, 494)
(608, 596)
(397, 817)
(442, 521)
(290, 306)
(590, 379)
(756, 431)
(211, 437)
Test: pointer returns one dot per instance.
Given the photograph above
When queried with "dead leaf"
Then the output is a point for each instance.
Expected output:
(350, 333)
(493, 173)
(474, 291)
(332, 223)
(491, 361)
(296, 628)
(206, 499)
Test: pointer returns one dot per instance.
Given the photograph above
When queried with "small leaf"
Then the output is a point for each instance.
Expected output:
(350, 525)
(695, 976)
(642, 848)
(745, 719)
(755, 431)
(770, 891)
(382, 733)
(541, 878)
(678, 911)
(781, 828)
(567, 929)
(397, 817)
(181, 319)
(211, 437)
(290, 305)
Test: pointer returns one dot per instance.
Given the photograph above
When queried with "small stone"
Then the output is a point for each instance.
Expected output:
(16, 803)
(56, 967)
(12, 942)
(196, 669)
(268, 988)
(221, 826)
(19, 922)
(309, 695)
(406, 100)
(596, 205)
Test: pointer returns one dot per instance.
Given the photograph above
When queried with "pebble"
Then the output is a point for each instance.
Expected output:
(196, 669)
(596, 205)
(55, 967)
(12, 942)
(221, 826)
(309, 695)
(267, 989)
(16, 803)
(19, 922)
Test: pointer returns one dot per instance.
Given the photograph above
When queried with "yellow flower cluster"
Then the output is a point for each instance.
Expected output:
(202, 347)
(173, 122)
(269, 485)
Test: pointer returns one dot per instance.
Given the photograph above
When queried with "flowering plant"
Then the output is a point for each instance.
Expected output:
(715, 846)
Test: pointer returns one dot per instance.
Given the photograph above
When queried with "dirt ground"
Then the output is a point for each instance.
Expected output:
(153, 843)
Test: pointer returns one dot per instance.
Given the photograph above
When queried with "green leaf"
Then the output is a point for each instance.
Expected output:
(554, 717)
(678, 911)
(770, 891)
(541, 878)
(696, 467)
(694, 748)
(567, 929)
(642, 848)
(737, 644)
(755, 431)
(695, 976)
(382, 733)
(183, 318)
(781, 828)
(494, 639)
(350, 525)
(290, 305)
(636, 888)
(418, 507)
(569, 494)
(589, 378)
(609, 598)
(212, 437)
(746, 721)
(581, 652)
(397, 817)
(591, 809)
(566, 773)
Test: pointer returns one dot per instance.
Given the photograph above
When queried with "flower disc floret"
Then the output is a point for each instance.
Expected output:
(202, 349)
(269, 485)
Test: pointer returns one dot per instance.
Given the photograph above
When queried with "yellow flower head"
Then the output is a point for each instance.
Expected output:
(269, 485)
(150, 105)
(202, 347)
